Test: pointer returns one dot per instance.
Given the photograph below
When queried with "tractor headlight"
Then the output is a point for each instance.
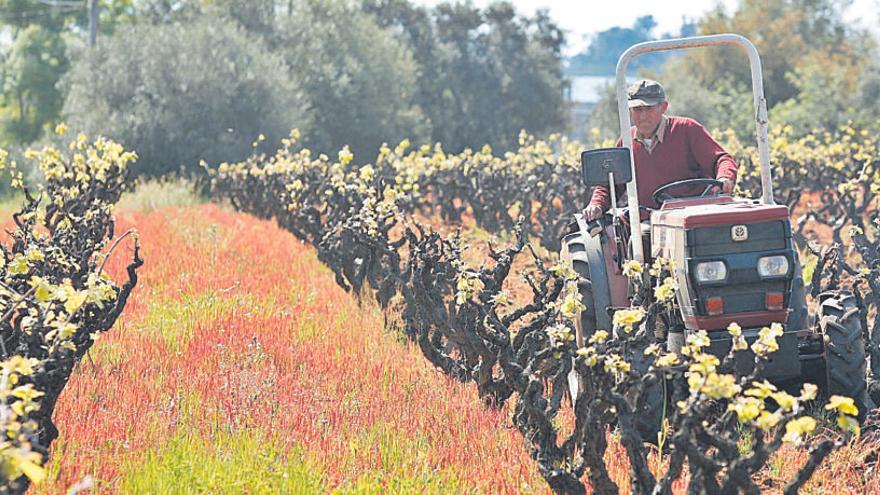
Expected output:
(711, 271)
(773, 266)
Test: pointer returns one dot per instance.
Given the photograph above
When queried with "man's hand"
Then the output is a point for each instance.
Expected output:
(727, 186)
(592, 212)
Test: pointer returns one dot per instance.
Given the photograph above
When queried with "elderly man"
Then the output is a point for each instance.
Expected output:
(666, 149)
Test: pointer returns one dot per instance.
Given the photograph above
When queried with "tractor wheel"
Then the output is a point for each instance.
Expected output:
(845, 360)
(573, 248)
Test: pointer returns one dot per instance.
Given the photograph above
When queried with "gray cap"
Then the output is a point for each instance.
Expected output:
(645, 93)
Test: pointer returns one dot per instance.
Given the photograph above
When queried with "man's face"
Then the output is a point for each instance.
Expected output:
(646, 119)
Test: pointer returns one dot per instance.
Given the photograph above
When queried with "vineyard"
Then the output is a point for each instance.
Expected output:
(292, 345)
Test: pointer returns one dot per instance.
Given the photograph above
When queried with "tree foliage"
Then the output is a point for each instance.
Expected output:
(359, 80)
(345, 72)
(41, 35)
(30, 67)
(30, 71)
(181, 93)
(606, 46)
(787, 33)
(484, 75)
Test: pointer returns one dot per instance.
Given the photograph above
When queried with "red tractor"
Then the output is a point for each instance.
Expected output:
(735, 261)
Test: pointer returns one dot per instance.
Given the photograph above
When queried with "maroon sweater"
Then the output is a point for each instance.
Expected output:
(687, 152)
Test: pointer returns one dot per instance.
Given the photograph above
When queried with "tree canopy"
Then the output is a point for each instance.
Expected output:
(180, 93)
(346, 72)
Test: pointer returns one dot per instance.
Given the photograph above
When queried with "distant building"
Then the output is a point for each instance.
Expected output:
(588, 89)
(582, 93)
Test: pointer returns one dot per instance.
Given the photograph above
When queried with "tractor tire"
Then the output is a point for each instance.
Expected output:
(845, 359)
(650, 415)
(573, 254)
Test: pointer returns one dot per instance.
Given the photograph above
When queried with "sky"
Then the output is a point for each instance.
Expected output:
(581, 18)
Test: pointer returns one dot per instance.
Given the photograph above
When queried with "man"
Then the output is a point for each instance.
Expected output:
(666, 149)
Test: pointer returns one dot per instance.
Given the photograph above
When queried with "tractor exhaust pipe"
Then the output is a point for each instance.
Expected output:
(760, 113)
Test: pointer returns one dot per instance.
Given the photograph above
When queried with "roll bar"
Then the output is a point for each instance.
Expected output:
(760, 113)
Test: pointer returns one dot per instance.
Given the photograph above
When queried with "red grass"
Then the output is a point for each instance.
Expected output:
(253, 370)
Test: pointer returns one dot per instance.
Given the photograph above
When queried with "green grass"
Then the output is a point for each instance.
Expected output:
(175, 320)
(404, 467)
(308, 330)
(154, 194)
(9, 204)
(107, 352)
(381, 483)
(244, 462)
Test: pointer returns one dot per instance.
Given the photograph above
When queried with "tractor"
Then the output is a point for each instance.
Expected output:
(734, 261)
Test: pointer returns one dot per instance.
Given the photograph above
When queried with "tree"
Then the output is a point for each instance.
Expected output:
(813, 66)
(42, 33)
(484, 74)
(166, 11)
(31, 70)
(32, 64)
(828, 97)
(868, 95)
(180, 93)
(601, 56)
(787, 34)
(255, 16)
(359, 80)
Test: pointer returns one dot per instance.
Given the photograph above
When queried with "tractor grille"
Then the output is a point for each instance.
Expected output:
(743, 290)
(714, 241)
(743, 298)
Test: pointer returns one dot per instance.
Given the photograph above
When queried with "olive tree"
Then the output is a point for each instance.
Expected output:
(180, 93)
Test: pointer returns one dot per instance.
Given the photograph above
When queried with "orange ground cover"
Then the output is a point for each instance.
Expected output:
(284, 350)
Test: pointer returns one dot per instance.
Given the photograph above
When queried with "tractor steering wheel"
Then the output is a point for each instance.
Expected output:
(661, 194)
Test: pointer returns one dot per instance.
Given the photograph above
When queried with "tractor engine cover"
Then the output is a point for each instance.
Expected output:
(734, 260)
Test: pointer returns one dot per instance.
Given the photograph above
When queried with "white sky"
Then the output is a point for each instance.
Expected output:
(581, 18)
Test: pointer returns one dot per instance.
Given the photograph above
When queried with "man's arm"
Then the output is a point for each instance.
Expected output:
(713, 160)
(600, 201)
(726, 170)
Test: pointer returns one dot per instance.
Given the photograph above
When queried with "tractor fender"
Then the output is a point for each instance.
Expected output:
(587, 251)
(584, 254)
(798, 318)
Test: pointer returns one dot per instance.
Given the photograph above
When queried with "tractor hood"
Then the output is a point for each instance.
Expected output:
(731, 237)
(723, 210)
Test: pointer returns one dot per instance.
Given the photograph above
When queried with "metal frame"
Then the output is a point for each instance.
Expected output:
(625, 124)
